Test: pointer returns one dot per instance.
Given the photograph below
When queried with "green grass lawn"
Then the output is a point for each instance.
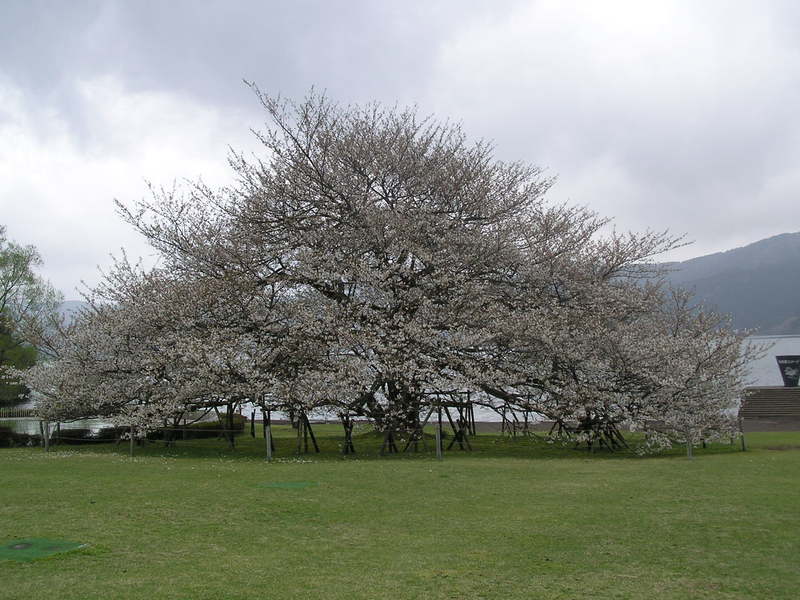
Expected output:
(512, 519)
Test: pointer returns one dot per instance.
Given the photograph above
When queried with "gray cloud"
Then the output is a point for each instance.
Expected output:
(356, 49)
(678, 114)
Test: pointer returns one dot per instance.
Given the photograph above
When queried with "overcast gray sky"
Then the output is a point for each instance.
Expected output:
(678, 115)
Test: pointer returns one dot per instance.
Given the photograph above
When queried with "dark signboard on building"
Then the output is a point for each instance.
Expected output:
(790, 369)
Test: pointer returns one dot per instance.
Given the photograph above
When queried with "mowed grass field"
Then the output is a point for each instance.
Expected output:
(512, 519)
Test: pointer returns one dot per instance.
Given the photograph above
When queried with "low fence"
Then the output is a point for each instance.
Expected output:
(16, 413)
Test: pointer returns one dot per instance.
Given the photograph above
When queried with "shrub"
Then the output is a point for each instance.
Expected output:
(201, 430)
(10, 439)
(74, 437)
(109, 434)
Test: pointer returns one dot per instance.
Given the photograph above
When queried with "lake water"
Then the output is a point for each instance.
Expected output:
(31, 425)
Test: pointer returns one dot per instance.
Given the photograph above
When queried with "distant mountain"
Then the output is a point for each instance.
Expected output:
(758, 284)
(70, 306)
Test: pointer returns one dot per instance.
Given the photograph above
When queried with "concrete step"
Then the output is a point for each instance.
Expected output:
(765, 402)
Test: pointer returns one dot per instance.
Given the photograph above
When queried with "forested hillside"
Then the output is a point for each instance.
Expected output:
(758, 284)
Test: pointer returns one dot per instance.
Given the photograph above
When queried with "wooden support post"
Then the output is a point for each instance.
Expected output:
(310, 432)
(439, 432)
(427, 417)
(388, 445)
(253, 424)
(463, 423)
(299, 436)
(470, 414)
(414, 438)
(347, 423)
(41, 432)
(267, 434)
(422, 426)
(456, 431)
(465, 436)
(472, 418)
(459, 432)
(269, 424)
(741, 433)
(229, 426)
(266, 423)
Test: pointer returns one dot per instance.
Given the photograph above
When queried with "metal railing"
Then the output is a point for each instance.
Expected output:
(16, 413)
